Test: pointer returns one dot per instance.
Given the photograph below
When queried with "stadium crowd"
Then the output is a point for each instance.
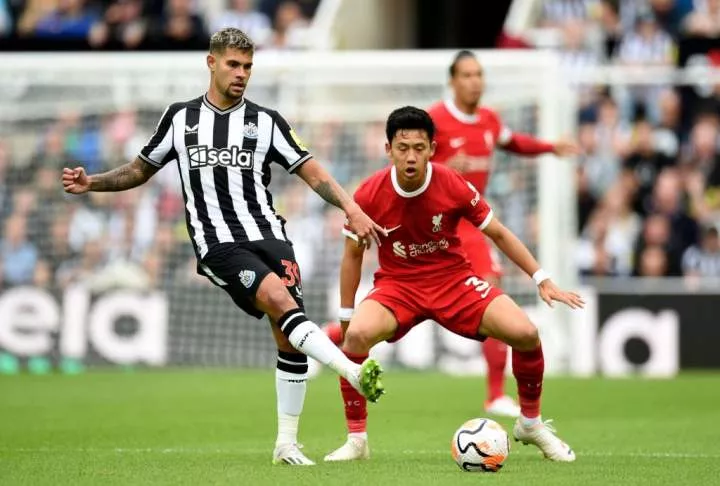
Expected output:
(648, 182)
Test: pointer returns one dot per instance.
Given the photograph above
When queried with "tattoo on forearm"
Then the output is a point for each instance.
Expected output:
(124, 177)
(327, 192)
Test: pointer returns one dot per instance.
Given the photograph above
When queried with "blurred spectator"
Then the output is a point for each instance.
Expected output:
(586, 200)
(653, 262)
(55, 249)
(667, 201)
(122, 26)
(655, 234)
(32, 12)
(290, 27)
(5, 185)
(70, 19)
(18, 257)
(6, 22)
(270, 7)
(612, 27)
(703, 260)
(670, 13)
(642, 166)
(600, 168)
(180, 27)
(240, 14)
(704, 21)
(647, 45)
(88, 221)
(594, 254)
(82, 269)
(556, 13)
(667, 133)
(702, 164)
(575, 57)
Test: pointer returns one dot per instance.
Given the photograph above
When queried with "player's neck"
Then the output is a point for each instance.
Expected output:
(221, 101)
(465, 108)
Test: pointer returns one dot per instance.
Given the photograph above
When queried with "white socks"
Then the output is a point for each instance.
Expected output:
(290, 385)
(529, 422)
(308, 338)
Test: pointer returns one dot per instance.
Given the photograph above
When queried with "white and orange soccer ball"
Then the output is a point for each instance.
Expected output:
(480, 445)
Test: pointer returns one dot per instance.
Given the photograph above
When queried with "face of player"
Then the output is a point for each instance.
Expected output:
(230, 72)
(468, 83)
(409, 152)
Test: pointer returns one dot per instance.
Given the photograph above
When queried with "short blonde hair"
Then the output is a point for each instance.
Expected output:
(231, 37)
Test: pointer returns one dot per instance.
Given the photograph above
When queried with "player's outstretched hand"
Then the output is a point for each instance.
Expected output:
(75, 181)
(361, 224)
(565, 148)
(550, 292)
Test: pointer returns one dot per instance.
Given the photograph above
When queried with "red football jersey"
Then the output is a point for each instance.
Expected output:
(422, 240)
(476, 135)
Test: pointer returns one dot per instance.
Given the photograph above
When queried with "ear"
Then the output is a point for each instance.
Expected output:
(433, 146)
(388, 148)
(211, 62)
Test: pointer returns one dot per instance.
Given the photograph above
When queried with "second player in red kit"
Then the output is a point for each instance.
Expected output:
(425, 274)
(466, 137)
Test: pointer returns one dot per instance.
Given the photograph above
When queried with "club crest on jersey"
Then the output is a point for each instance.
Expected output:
(233, 156)
(399, 249)
(247, 277)
(250, 130)
(437, 223)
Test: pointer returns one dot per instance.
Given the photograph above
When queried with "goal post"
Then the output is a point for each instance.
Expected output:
(338, 102)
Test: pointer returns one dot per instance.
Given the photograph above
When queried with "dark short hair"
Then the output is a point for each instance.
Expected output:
(464, 54)
(231, 37)
(409, 118)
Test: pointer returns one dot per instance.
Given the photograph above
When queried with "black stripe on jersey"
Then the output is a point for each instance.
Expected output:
(221, 130)
(285, 129)
(192, 118)
(164, 125)
(272, 155)
(251, 116)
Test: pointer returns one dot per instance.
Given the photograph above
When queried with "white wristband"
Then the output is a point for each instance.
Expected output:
(346, 313)
(540, 276)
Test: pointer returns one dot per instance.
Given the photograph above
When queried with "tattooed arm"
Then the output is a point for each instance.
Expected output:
(328, 188)
(133, 174)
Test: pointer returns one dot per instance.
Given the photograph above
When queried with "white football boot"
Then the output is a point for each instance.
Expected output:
(503, 406)
(291, 455)
(356, 448)
(542, 435)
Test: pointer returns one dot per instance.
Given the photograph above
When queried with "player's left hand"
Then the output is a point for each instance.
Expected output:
(566, 148)
(361, 224)
(550, 292)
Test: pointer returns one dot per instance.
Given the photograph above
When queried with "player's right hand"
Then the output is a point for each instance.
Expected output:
(550, 292)
(364, 227)
(75, 181)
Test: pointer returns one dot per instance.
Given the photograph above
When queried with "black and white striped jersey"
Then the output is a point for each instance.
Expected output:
(224, 158)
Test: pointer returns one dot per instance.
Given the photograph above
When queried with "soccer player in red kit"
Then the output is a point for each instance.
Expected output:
(466, 136)
(425, 274)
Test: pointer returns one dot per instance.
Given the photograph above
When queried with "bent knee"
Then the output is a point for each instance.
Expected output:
(279, 301)
(358, 340)
(527, 338)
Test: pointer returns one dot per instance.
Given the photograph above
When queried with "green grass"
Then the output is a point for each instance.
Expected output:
(205, 427)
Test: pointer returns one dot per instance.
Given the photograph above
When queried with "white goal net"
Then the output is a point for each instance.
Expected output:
(109, 278)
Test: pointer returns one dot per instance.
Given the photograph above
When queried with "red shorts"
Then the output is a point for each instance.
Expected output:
(484, 258)
(457, 302)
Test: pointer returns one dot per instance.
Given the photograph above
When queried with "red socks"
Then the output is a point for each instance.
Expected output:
(528, 368)
(496, 356)
(355, 403)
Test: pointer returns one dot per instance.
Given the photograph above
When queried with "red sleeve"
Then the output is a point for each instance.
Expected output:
(521, 143)
(473, 206)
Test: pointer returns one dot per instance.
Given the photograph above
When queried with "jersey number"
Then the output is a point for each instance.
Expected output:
(480, 286)
(292, 273)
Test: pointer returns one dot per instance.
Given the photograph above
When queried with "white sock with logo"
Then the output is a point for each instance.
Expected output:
(290, 385)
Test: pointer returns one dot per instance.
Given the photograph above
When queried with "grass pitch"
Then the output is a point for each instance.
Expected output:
(218, 427)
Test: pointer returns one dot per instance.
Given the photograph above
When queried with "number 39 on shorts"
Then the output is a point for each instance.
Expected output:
(292, 273)
(480, 286)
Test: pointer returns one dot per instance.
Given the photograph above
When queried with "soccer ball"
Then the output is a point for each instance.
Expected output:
(480, 445)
